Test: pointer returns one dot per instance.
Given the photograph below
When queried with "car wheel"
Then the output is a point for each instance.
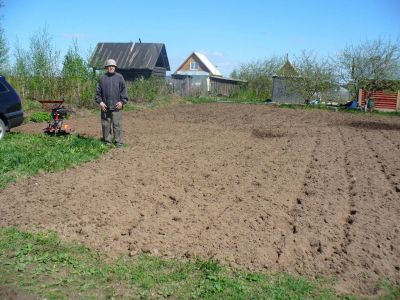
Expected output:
(2, 129)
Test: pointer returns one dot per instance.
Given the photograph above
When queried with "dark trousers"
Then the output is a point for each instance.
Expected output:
(111, 124)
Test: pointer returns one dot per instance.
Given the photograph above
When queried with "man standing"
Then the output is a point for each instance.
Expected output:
(111, 95)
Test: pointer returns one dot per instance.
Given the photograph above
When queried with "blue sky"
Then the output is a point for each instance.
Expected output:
(227, 32)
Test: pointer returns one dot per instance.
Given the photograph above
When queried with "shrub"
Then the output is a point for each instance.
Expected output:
(40, 116)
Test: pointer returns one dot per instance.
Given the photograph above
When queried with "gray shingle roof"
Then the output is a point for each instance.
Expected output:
(131, 55)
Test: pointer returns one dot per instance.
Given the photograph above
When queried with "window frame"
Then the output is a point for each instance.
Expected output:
(194, 66)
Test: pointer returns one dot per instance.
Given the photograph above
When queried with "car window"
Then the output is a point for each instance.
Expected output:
(3, 88)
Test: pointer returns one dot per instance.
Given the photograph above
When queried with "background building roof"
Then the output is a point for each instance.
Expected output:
(213, 70)
(131, 55)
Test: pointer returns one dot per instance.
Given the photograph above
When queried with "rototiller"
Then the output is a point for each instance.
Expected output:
(58, 113)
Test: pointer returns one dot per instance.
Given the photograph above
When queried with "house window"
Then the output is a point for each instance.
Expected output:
(194, 66)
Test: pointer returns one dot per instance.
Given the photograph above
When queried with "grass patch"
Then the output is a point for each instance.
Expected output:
(23, 154)
(31, 105)
(40, 116)
(130, 106)
(40, 264)
(307, 107)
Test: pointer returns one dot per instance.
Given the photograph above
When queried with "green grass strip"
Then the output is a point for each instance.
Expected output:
(23, 154)
(41, 265)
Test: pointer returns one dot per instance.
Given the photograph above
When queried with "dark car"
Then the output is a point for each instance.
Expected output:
(11, 114)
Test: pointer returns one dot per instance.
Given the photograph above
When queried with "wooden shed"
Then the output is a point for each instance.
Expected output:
(134, 60)
(384, 93)
(383, 100)
(223, 86)
(281, 82)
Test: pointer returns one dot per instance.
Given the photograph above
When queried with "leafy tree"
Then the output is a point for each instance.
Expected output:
(21, 71)
(78, 81)
(371, 61)
(74, 66)
(315, 75)
(3, 48)
(259, 74)
(234, 74)
(3, 52)
(43, 55)
(21, 67)
(44, 67)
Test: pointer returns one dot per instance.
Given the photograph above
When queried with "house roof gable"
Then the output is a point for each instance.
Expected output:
(211, 69)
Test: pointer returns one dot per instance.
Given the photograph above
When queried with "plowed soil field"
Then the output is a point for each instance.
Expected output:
(309, 192)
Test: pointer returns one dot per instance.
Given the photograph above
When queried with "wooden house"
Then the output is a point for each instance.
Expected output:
(197, 75)
(134, 60)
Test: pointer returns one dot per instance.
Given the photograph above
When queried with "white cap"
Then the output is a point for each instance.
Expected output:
(110, 62)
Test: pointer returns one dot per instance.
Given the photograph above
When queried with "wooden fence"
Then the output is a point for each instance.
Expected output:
(221, 86)
(189, 87)
(211, 86)
(382, 100)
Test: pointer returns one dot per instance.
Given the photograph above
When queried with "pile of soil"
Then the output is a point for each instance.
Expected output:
(308, 192)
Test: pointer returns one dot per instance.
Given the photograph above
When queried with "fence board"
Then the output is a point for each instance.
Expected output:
(383, 100)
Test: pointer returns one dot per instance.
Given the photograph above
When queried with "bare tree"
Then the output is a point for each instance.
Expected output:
(371, 61)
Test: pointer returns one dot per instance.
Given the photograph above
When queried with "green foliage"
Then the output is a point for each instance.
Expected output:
(30, 105)
(74, 66)
(3, 52)
(147, 90)
(315, 75)
(380, 85)
(79, 82)
(78, 92)
(201, 100)
(258, 74)
(44, 56)
(288, 70)
(377, 60)
(21, 66)
(24, 154)
(46, 267)
(20, 71)
(247, 94)
(40, 116)
(391, 292)
(36, 73)
(3, 49)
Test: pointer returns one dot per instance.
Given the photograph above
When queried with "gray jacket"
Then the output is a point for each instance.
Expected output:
(111, 89)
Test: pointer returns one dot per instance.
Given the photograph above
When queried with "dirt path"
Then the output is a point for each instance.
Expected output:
(309, 192)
